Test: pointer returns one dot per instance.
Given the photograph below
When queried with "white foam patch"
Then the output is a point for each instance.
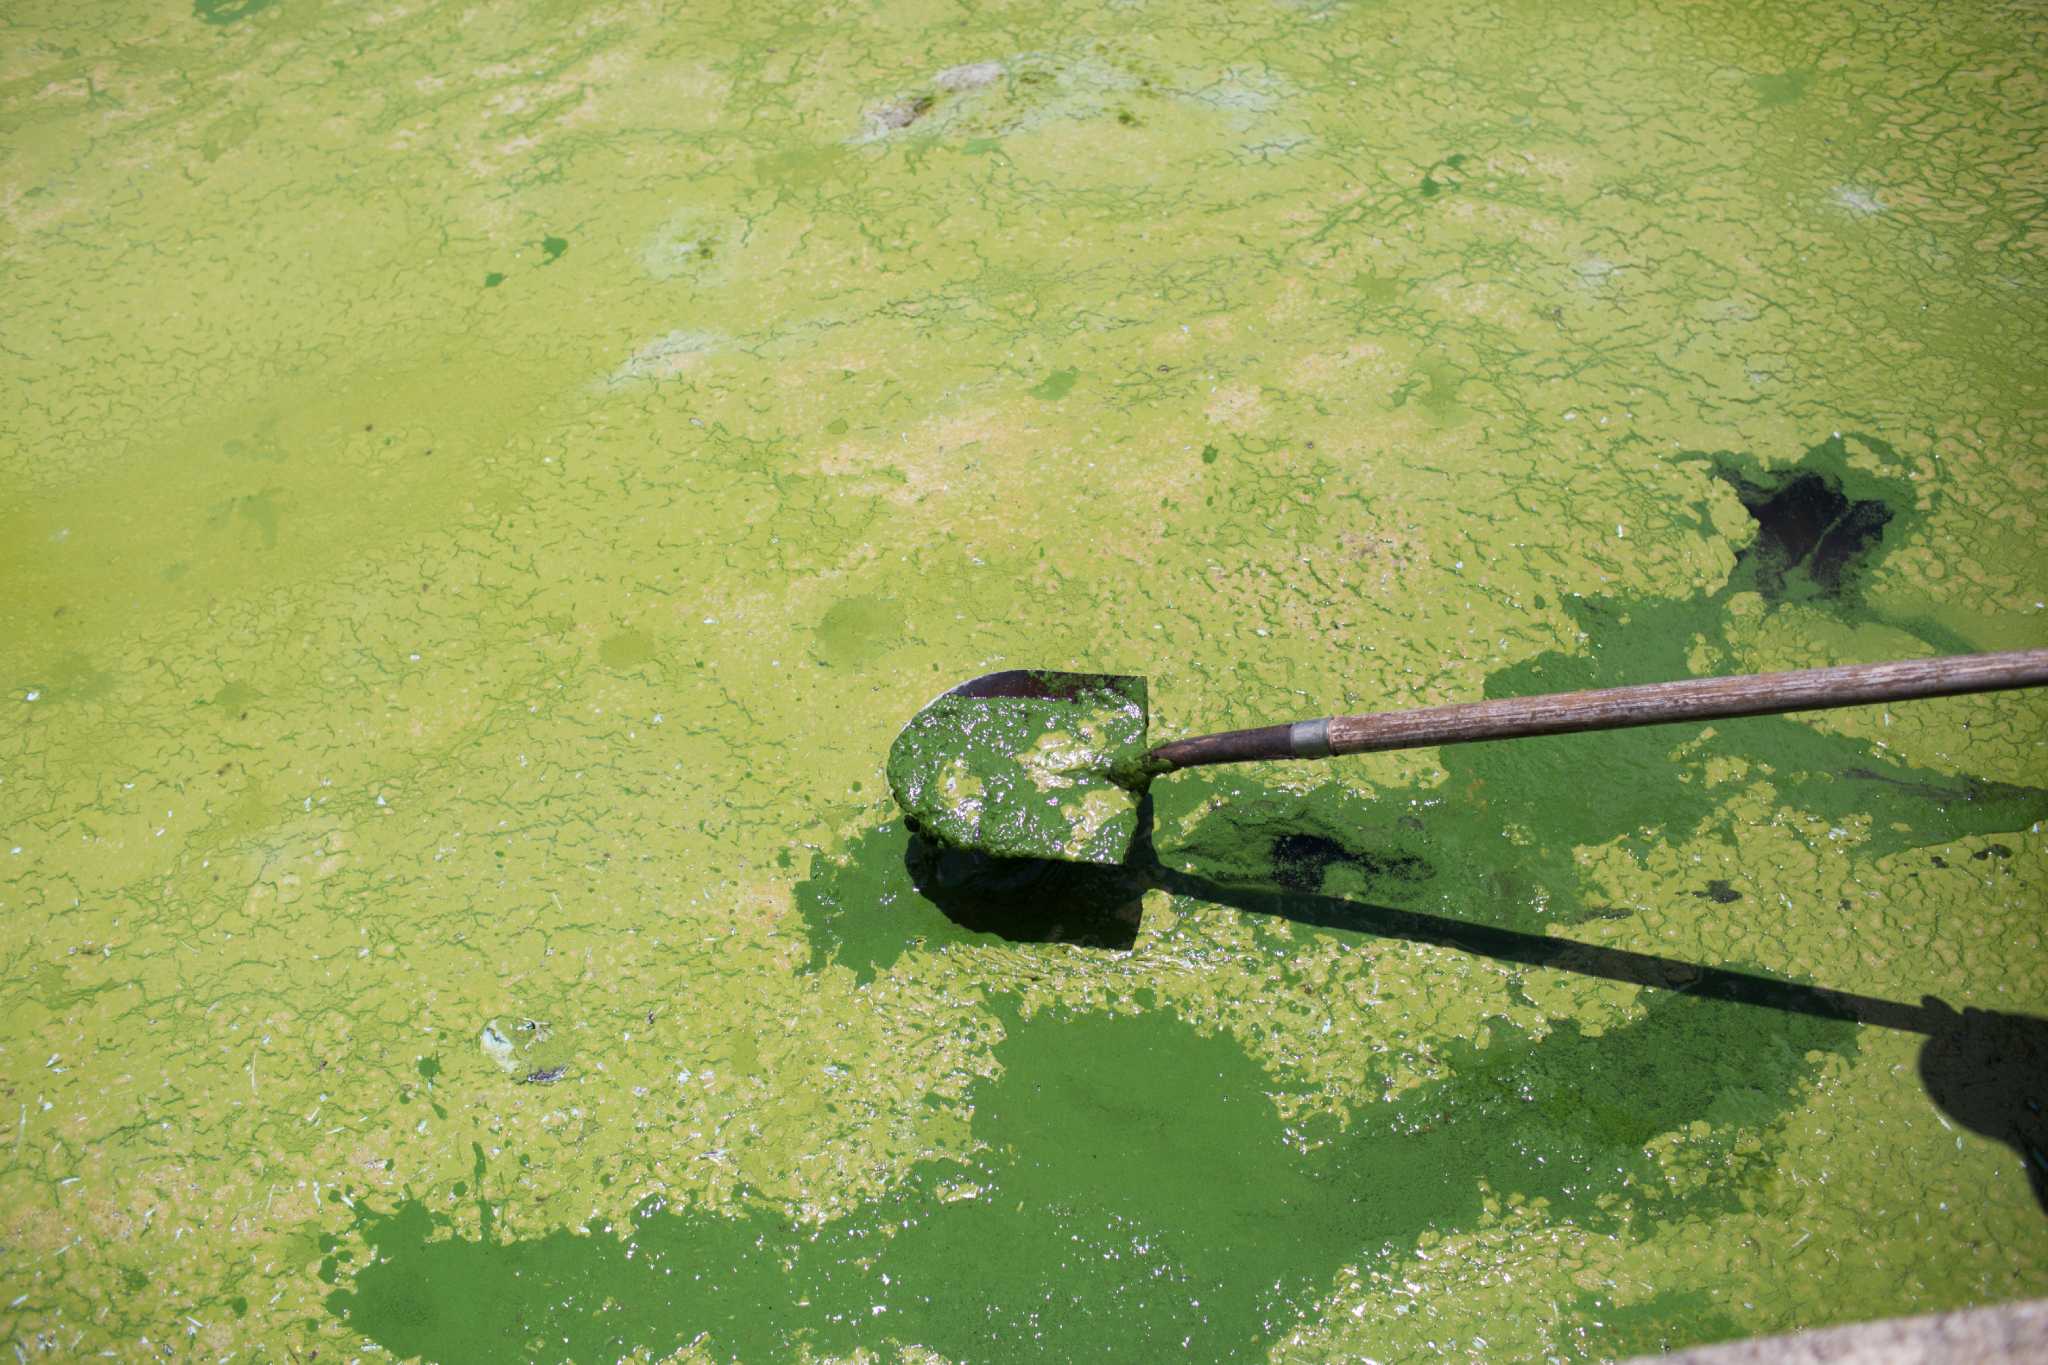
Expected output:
(497, 1047)
(971, 76)
(665, 356)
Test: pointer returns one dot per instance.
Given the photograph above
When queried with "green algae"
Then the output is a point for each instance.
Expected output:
(1437, 846)
(1133, 1184)
(860, 629)
(626, 649)
(1056, 385)
(1024, 777)
(1322, 439)
(1664, 1321)
(221, 13)
(889, 892)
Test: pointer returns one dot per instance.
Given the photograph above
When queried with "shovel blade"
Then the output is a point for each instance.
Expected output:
(1027, 763)
(1048, 685)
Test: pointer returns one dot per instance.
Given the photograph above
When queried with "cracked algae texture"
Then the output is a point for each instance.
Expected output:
(480, 489)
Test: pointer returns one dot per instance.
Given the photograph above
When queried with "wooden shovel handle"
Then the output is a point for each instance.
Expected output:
(1618, 708)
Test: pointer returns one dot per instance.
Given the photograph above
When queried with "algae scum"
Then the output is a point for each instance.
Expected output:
(1026, 777)
(1129, 1180)
(1132, 1191)
(480, 497)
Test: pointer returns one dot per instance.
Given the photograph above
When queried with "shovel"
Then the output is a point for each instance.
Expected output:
(1035, 764)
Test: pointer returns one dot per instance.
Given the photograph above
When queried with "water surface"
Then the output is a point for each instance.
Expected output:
(480, 491)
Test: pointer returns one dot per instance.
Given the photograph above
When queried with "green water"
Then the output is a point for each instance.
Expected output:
(480, 491)
(1128, 1179)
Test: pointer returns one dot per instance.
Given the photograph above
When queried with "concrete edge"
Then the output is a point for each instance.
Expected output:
(2012, 1334)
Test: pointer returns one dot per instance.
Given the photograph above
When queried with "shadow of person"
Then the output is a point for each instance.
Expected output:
(1984, 1069)
(1988, 1071)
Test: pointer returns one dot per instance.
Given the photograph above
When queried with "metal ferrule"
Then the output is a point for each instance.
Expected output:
(1310, 738)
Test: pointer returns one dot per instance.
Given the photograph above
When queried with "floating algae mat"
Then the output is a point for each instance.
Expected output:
(478, 499)
(1027, 776)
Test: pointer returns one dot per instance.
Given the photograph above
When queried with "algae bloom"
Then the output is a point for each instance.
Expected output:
(1024, 777)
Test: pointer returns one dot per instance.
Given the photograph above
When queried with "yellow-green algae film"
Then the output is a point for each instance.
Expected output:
(1025, 776)
(481, 488)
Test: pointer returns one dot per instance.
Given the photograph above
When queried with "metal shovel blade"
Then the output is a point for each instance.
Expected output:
(1027, 763)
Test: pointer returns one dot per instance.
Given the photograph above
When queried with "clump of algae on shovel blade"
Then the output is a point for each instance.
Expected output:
(1027, 764)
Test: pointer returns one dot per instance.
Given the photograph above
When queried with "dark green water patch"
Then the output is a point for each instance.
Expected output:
(1490, 844)
(1443, 175)
(1135, 1192)
(890, 893)
(221, 13)
(1418, 850)
(1590, 789)
(1488, 848)
(1820, 524)
(1056, 385)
